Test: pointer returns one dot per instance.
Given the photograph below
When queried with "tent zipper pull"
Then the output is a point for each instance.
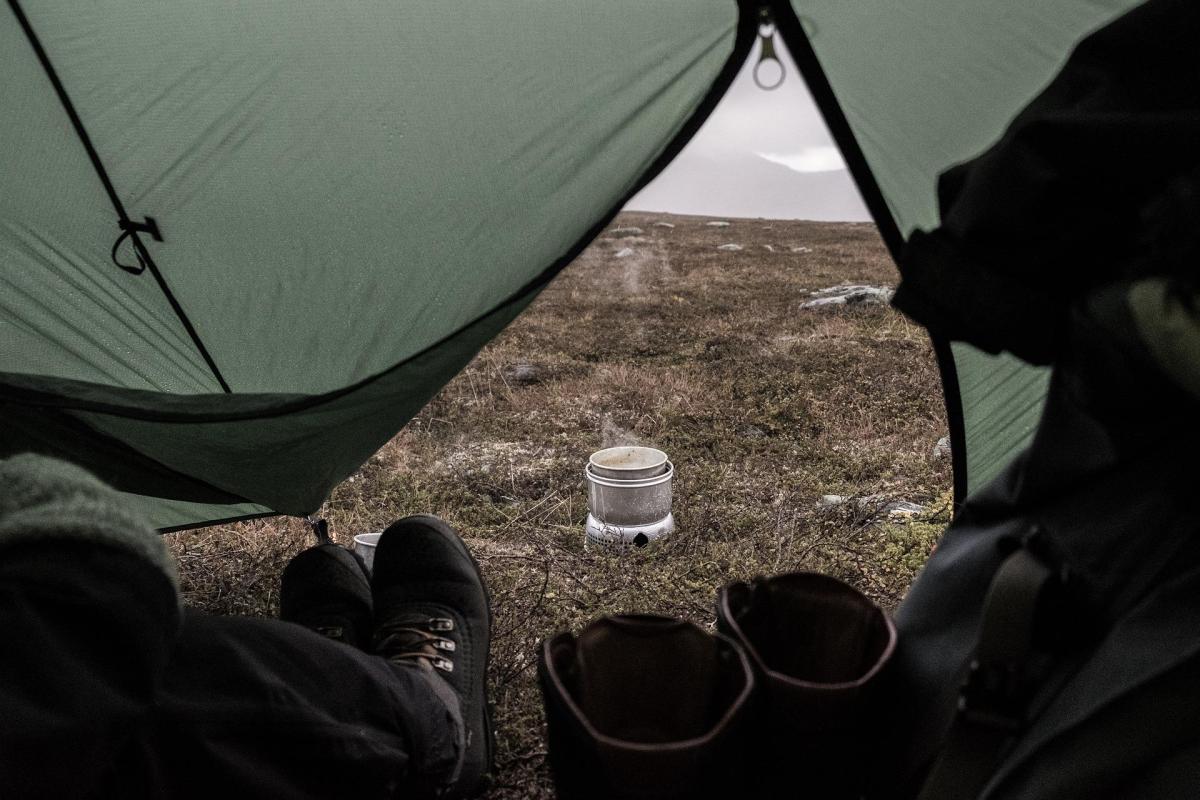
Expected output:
(766, 39)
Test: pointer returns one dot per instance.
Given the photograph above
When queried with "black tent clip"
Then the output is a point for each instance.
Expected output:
(766, 38)
(128, 228)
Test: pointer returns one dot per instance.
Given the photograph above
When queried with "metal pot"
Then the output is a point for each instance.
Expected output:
(634, 502)
(628, 463)
(364, 545)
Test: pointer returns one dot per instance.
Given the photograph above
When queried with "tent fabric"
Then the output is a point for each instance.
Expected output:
(340, 206)
(352, 200)
(924, 86)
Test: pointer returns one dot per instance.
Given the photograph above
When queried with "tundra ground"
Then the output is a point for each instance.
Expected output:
(655, 335)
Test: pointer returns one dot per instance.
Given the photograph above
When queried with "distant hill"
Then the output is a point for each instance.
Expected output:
(748, 185)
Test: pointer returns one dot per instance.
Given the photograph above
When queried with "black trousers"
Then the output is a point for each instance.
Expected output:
(108, 690)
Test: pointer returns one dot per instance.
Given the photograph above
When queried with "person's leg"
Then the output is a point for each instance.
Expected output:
(327, 589)
(268, 708)
(99, 697)
(88, 607)
(296, 709)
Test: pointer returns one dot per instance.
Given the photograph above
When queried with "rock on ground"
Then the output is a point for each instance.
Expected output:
(664, 225)
(523, 374)
(850, 295)
(626, 231)
(942, 448)
(731, 247)
(877, 504)
(717, 223)
(751, 432)
(625, 252)
(901, 509)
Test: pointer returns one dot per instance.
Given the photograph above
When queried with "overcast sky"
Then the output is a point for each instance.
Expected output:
(760, 154)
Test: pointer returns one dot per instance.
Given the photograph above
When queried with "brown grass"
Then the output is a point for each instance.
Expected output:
(763, 406)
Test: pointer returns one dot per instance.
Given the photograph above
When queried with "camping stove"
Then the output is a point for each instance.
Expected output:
(627, 535)
(629, 496)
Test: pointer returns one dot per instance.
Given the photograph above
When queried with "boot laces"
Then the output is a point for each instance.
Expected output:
(415, 639)
(335, 632)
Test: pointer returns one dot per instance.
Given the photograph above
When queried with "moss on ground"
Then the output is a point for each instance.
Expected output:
(764, 407)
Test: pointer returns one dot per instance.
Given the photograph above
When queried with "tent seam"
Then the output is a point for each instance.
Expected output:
(127, 226)
(797, 41)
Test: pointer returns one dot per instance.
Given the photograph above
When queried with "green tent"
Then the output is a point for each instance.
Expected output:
(242, 244)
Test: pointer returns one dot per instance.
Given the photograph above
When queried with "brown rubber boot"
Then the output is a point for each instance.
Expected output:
(819, 649)
(645, 708)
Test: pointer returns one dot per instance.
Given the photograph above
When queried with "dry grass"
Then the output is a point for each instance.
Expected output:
(763, 406)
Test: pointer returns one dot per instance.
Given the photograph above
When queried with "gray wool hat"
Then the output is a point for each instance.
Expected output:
(46, 499)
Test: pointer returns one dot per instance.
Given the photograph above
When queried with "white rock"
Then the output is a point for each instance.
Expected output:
(856, 294)
(769, 248)
(523, 374)
(800, 249)
(717, 223)
(731, 247)
(841, 290)
(824, 301)
(664, 225)
(877, 505)
(751, 432)
(942, 448)
(624, 252)
(902, 509)
(628, 231)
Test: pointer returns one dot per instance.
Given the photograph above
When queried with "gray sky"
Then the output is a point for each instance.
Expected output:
(760, 154)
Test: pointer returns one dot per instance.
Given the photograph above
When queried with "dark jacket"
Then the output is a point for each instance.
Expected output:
(1060, 244)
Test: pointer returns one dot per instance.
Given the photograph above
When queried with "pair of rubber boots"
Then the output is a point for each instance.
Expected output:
(782, 702)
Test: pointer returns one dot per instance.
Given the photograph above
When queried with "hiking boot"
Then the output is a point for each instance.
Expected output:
(325, 588)
(646, 708)
(432, 610)
(819, 649)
